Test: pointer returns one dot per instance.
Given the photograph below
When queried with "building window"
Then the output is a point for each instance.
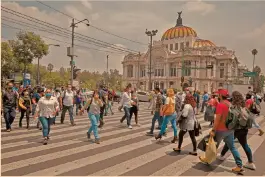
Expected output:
(130, 70)
(182, 45)
(171, 46)
(212, 69)
(195, 72)
(167, 46)
(221, 84)
(173, 71)
(222, 72)
(159, 72)
(222, 64)
(176, 46)
(142, 71)
(187, 44)
(187, 70)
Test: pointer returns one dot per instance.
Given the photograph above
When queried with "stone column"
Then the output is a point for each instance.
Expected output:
(193, 70)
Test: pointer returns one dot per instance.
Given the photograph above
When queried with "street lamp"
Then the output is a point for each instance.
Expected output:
(71, 54)
(254, 53)
(151, 34)
(38, 66)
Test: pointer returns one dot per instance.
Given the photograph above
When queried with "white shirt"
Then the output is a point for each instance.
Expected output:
(57, 94)
(47, 107)
(126, 100)
(68, 98)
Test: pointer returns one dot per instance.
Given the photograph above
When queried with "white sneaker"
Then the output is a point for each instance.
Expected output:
(130, 127)
(222, 158)
(250, 166)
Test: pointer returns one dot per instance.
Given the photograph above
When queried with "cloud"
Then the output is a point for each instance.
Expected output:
(87, 4)
(199, 7)
(95, 16)
(257, 33)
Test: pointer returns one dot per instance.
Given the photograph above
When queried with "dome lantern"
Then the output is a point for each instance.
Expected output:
(179, 20)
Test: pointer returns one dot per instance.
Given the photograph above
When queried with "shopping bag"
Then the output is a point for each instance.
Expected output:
(203, 143)
(211, 151)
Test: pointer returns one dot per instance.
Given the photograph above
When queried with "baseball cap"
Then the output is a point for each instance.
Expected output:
(223, 92)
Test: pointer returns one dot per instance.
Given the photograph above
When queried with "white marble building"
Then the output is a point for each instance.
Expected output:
(182, 44)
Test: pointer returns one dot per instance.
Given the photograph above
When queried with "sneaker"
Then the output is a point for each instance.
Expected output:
(250, 166)
(261, 132)
(130, 127)
(88, 135)
(150, 134)
(45, 141)
(73, 123)
(97, 141)
(237, 170)
(8, 130)
(222, 158)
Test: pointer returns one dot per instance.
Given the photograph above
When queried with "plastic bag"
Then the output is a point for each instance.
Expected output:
(211, 151)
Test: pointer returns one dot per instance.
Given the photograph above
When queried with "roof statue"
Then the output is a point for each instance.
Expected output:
(179, 20)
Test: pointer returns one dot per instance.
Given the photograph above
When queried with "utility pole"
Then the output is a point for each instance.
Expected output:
(70, 51)
(107, 70)
(151, 34)
(138, 75)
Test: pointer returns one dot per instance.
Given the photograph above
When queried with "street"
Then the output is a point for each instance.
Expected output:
(122, 152)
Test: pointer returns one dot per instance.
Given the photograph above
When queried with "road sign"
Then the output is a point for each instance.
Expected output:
(209, 66)
(249, 74)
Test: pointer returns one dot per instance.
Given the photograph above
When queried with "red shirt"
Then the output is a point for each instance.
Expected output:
(213, 102)
(221, 109)
(249, 102)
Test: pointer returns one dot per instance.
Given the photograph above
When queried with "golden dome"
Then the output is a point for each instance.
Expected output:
(203, 43)
(179, 31)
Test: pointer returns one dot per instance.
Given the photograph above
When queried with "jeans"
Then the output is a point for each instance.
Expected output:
(134, 110)
(34, 109)
(172, 119)
(46, 124)
(228, 137)
(94, 118)
(23, 111)
(255, 124)
(203, 105)
(78, 107)
(241, 135)
(101, 120)
(108, 106)
(158, 118)
(127, 115)
(70, 110)
(9, 116)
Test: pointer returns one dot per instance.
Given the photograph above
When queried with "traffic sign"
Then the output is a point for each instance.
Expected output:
(249, 74)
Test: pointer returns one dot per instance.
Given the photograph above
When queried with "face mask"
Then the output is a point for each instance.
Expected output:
(48, 94)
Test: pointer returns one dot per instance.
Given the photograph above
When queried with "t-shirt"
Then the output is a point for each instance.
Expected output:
(221, 109)
(173, 100)
(68, 98)
(249, 102)
(37, 97)
(205, 97)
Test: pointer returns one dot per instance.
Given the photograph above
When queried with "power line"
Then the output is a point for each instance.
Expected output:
(90, 24)
(15, 28)
(60, 28)
(48, 31)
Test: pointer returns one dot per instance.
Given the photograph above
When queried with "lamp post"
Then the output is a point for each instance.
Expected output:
(38, 66)
(254, 53)
(151, 34)
(71, 54)
(138, 75)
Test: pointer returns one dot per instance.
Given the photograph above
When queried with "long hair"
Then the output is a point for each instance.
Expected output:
(189, 99)
(238, 99)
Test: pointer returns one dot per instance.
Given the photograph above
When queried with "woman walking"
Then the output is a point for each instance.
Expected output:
(93, 106)
(187, 123)
(241, 132)
(168, 110)
(134, 108)
(126, 103)
(25, 107)
(46, 110)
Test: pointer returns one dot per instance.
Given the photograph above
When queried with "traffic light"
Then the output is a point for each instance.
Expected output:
(75, 73)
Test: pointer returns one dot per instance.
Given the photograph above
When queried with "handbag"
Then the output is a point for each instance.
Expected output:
(169, 109)
(197, 126)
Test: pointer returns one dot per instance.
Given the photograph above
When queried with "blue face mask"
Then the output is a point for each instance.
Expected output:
(48, 94)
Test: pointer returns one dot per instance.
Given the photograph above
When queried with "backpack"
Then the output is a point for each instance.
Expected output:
(238, 118)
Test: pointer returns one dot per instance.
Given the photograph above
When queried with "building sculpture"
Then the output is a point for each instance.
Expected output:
(180, 52)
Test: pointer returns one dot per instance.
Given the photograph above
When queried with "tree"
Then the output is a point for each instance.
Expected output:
(7, 59)
(50, 67)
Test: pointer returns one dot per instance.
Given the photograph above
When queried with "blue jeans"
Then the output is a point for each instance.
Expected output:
(241, 135)
(127, 115)
(172, 119)
(70, 110)
(46, 124)
(9, 116)
(94, 118)
(228, 137)
(158, 118)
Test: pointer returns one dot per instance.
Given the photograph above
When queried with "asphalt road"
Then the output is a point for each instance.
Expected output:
(122, 152)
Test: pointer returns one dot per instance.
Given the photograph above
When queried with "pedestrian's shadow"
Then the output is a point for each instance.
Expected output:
(161, 142)
(173, 153)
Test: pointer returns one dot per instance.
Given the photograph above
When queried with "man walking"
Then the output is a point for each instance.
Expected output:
(67, 104)
(205, 98)
(10, 103)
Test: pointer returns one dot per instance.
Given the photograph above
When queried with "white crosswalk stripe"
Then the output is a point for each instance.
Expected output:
(121, 152)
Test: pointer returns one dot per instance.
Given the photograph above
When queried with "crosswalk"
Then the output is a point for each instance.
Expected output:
(122, 152)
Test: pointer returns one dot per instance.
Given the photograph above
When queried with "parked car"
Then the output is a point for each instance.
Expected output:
(143, 96)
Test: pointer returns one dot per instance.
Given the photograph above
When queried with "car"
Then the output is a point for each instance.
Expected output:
(143, 96)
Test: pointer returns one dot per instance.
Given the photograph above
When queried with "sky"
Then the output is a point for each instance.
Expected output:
(239, 26)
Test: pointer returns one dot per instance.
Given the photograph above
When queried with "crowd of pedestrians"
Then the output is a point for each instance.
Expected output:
(180, 109)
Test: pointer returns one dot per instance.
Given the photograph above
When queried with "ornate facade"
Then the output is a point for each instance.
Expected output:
(180, 52)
